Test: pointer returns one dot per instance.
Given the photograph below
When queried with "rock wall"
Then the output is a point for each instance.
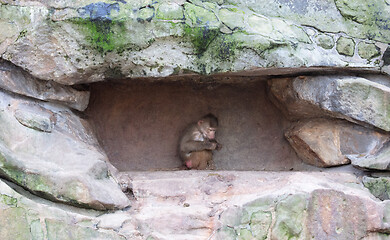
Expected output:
(297, 85)
(131, 119)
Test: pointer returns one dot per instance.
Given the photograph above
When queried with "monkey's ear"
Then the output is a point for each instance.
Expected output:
(200, 122)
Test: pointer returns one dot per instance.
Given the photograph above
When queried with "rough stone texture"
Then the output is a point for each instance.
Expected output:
(368, 50)
(326, 143)
(357, 18)
(15, 80)
(210, 205)
(49, 150)
(379, 161)
(24, 216)
(325, 41)
(378, 186)
(74, 42)
(131, 119)
(230, 205)
(356, 99)
(345, 46)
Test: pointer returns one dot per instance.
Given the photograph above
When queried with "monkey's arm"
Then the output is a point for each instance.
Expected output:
(219, 146)
(194, 146)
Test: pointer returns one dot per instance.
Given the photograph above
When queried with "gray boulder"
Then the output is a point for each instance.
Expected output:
(50, 151)
(14, 79)
(355, 99)
(379, 161)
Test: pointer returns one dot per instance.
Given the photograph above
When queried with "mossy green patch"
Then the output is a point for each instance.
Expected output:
(226, 233)
(145, 14)
(201, 37)
(32, 181)
(104, 35)
(325, 41)
(260, 224)
(379, 187)
(232, 18)
(219, 55)
(8, 200)
(245, 234)
(372, 13)
(197, 16)
(290, 216)
(169, 11)
(368, 50)
(345, 46)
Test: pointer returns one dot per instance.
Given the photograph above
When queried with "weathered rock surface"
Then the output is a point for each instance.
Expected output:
(326, 143)
(27, 217)
(49, 150)
(73, 42)
(378, 186)
(255, 205)
(210, 205)
(15, 80)
(379, 161)
(356, 99)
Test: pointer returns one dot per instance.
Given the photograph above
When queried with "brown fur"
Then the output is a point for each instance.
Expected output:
(201, 160)
(198, 142)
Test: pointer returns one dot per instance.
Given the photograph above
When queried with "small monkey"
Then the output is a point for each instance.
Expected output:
(198, 142)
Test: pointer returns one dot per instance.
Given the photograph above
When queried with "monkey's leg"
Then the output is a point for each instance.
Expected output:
(192, 161)
(210, 162)
(203, 157)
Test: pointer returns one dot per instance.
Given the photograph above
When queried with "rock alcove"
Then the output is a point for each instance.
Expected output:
(262, 126)
(139, 122)
(94, 95)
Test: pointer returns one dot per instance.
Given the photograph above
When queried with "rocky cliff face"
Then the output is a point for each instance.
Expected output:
(324, 65)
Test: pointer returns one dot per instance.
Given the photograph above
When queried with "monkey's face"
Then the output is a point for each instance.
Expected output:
(207, 131)
(210, 133)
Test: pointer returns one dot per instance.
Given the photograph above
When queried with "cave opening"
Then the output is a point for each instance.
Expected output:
(138, 122)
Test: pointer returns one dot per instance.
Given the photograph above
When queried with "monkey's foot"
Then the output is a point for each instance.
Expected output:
(189, 164)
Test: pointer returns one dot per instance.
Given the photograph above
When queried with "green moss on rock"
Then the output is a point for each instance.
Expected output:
(325, 41)
(368, 50)
(200, 17)
(260, 224)
(233, 18)
(201, 37)
(290, 216)
(104, 35)
(226, 233)
(245, 234)
(345, 46)
(145, 14)
(379, 187)
(8, 200)
(169, 11)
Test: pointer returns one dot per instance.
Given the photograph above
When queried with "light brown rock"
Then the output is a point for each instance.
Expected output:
(326, 142)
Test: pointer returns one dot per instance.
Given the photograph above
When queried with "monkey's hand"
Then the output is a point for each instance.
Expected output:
(211, 145)
(219, 147)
